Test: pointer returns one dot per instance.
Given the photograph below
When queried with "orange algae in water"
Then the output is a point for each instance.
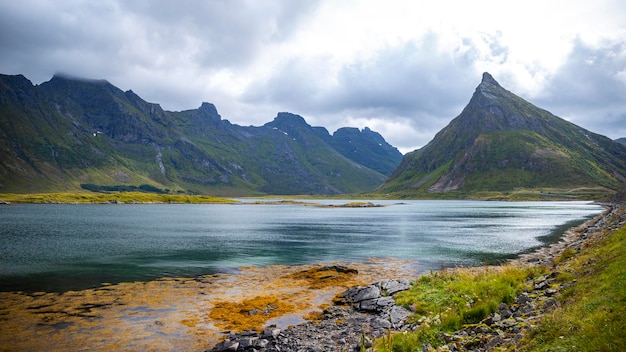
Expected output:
(250, 314)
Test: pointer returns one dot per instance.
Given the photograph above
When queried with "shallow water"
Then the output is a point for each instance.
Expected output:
(62, 247)
(169, 314)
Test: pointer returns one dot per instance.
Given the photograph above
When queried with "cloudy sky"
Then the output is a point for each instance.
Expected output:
(402, 68)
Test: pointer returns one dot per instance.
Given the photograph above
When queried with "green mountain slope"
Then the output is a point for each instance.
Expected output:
(501, 142)
(70, 132)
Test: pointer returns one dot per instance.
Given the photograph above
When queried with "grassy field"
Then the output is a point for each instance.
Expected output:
(116, 197)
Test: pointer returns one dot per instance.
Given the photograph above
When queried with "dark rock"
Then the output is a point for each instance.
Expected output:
(398, 315)
(522, 299)
(375, 297)
(392, 287)
(367, 293)
(367, 305)
(384, 302)
(505, 313)
(270, 333)
(262, 343)
(248, 342)
(493, 343)
(380, 323)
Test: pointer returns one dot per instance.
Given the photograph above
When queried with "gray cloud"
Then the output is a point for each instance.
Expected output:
(590, 88)
(414, 82)
(404, 80)
(87, 39)
(217, 33)
(116, 39)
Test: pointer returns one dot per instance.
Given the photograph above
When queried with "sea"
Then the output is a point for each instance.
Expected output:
(61, 247)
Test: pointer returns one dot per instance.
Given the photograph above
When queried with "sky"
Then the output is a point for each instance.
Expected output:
(402, 68)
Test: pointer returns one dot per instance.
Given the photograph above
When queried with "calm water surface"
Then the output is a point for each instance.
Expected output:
(61, 247)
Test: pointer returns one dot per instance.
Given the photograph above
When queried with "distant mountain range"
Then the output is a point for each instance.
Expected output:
(68, 133)
(621, 140)
(502, 143)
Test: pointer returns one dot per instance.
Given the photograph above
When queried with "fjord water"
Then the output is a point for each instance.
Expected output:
(62, 247)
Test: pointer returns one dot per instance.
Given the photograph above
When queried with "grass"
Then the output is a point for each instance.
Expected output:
(445, 301)
(120, 197)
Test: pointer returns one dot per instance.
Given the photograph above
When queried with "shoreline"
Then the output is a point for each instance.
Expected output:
(174, 314)
(544, 255)
(348, 326)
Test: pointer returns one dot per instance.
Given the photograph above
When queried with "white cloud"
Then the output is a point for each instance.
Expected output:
(590, 87)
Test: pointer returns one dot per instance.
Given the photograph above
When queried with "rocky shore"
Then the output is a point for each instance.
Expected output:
(364, 313)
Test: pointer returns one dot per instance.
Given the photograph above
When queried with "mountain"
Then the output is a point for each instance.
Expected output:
(621, 140)
(366, 147)
(69, 133)
(501, 142)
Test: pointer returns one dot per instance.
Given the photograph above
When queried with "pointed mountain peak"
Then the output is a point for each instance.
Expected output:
(488, 87)
(488, 79)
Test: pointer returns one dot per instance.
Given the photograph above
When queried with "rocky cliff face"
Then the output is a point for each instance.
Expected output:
(69, 131)
(500, 142)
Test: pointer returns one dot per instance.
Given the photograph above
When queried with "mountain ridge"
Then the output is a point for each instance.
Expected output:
(67, 131)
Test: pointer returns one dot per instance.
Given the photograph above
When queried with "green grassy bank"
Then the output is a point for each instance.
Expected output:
(114, 197)
(592, 316)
